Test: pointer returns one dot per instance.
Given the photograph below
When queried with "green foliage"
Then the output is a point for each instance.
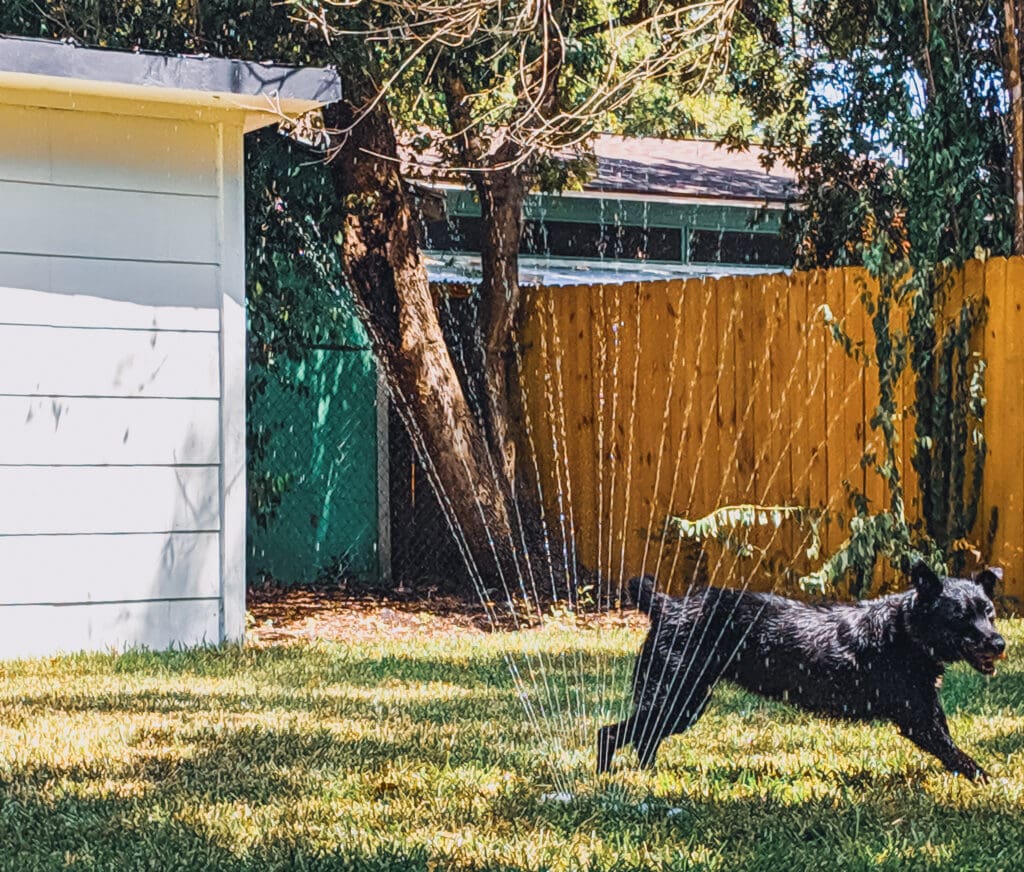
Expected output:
(894, 116)
(668, 110)
(295, 292)
(155, 24)
(254, 29)
(524, 83)
(896, 128)
(729, 526)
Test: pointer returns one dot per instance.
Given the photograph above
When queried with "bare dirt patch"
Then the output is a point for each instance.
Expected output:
(282, 615)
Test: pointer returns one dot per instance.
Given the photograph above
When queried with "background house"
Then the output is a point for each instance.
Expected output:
(122, 341)
(653, 209)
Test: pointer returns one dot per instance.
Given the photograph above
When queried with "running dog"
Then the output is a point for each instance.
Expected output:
(880, 659)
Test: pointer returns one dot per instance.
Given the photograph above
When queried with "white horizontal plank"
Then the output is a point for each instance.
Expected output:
(106, 223)
(108, 568)
(58, 309)
(100, 150)
(83, 292)
(88, 430)
(118, 363)
(38, 631)
(108, 499)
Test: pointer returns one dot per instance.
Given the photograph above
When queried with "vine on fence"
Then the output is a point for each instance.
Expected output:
(933, 352)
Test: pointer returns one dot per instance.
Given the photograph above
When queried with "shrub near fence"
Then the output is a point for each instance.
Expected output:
(649, 400)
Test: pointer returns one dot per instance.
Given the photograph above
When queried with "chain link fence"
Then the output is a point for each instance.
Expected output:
(340, 497)
(336, 492)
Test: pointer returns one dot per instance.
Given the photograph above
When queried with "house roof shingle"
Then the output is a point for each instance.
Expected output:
(647, 166)
(686, 168)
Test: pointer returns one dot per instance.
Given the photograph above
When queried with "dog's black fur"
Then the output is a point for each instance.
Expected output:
(879, 659)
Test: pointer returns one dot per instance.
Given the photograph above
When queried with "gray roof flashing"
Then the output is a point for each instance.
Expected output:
(187, 73)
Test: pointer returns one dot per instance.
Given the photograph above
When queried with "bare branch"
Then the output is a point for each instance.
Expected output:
(520, 51)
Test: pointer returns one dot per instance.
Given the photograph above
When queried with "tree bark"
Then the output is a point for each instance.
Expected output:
(382, 262)
(502, 194)
(502, 184)
(502, 175)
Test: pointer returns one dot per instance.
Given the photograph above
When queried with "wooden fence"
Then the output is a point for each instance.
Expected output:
(645, 401)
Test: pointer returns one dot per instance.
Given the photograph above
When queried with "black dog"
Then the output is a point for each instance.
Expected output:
(879, 659)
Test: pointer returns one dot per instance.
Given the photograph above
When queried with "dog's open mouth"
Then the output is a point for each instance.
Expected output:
(985, 663)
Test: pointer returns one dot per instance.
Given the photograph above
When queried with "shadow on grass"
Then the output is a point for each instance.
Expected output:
(107, 834)
(886, 825)
(262, 765)
(329, 663)
(188, 768)
(883, 822)
(333, 664)
(1005, 743)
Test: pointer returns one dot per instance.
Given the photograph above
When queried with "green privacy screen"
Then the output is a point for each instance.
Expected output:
(320, 420)
(312, 381)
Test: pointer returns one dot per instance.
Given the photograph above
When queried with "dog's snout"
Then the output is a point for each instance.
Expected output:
(998, 644)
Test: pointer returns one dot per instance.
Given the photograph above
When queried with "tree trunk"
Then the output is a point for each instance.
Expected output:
(1011, 62)
(502, 194)
(502, 181)
(387, 276)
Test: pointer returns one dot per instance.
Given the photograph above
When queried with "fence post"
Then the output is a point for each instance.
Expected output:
(383, 480)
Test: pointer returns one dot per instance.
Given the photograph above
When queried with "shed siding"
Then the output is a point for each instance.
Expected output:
(232, 363)
(31, 631)
(89, 292)
(113, 379)
(40, 431)
(101, 362)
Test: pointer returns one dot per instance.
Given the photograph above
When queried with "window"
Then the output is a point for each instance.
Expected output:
(591, 241)
(609, 241)
(732, 246)
(454, 234)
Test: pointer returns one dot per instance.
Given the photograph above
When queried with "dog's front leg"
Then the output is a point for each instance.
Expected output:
(930, 733)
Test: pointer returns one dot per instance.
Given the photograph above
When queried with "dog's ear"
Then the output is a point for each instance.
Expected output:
(987, 578)
(927, 584)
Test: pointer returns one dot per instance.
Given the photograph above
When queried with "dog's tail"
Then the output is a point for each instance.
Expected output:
(647, 599)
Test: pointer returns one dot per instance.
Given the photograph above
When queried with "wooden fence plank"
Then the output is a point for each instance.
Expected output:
(995, 484)
(1006, 411)
(679, 398)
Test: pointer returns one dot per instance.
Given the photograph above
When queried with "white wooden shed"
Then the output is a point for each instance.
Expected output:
(122, 342)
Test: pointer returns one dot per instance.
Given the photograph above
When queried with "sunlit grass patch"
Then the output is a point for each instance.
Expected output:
(418, 755)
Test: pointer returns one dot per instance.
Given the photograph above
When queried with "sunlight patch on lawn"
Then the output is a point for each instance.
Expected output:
(415, 756)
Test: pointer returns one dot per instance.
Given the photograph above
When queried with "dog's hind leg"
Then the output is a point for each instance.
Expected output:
(647, 747)
(610, 739)
(655, 726)
(642, 730)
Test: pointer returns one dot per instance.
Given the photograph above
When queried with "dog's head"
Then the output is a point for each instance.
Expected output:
(953, 618)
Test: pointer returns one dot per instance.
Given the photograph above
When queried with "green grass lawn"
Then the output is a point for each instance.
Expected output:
(398, 755)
